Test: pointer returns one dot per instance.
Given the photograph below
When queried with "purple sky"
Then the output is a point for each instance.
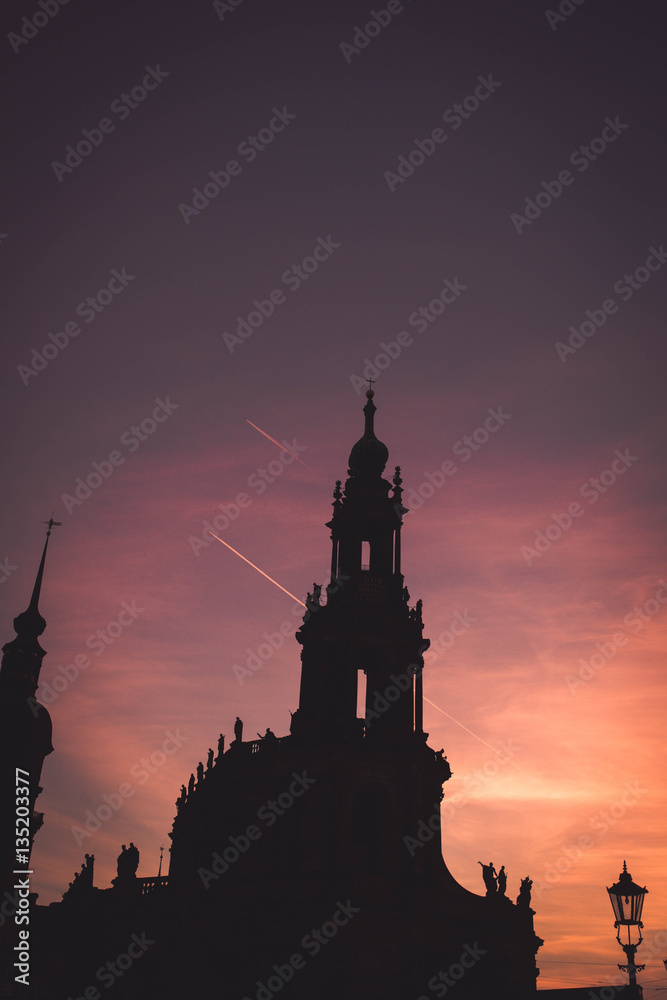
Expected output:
(574, 107)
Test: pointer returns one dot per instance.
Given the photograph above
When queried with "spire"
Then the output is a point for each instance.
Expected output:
(30, 623)
(368, 456)
(23, 656)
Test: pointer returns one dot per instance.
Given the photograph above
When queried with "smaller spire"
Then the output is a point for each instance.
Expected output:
(30, 622)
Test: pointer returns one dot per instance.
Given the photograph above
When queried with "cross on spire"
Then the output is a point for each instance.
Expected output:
(52, 524)
(371, 383)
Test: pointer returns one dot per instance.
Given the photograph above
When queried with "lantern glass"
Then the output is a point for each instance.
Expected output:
(627, 899)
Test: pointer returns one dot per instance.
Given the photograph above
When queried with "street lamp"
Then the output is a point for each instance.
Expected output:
(627, 899)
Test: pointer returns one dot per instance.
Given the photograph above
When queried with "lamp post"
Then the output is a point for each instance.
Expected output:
(627, 900)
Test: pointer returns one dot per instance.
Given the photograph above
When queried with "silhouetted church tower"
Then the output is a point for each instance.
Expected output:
(310, 865)
(25, 740)
(366, 624)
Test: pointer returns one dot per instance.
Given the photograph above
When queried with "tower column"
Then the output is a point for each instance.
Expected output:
(419, 702)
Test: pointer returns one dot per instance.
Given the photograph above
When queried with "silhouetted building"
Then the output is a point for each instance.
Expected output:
(25, 740)
(310, 864)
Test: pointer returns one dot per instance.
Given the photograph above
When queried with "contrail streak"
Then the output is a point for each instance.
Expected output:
(277, 443)
(479, 738)
(258, 570)
(280, 587)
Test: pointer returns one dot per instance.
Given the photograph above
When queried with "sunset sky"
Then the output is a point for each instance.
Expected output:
(350, 187)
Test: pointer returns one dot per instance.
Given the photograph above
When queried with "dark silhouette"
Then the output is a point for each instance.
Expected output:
(523, 899)
(221, 746)
(489, 876)
(132, 859)
(128, 861)
(25, 740)
(209, 759)
(340, 821)
(502, 881)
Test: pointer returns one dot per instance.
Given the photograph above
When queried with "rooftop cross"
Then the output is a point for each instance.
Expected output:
(52, 524)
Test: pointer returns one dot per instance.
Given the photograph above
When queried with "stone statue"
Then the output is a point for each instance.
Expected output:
(489, 876)
(121, 863)
(200, 773)
(523, 899)
(502, 881)
(191, 784)
(221, 745)
(132, 859)
(238, 730)
(209, 759)
(128, 861)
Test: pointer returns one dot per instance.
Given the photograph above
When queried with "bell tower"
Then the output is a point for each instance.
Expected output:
(366, 625)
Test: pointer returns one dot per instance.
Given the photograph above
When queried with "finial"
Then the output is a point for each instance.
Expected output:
(369, 392)
(52, 524)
